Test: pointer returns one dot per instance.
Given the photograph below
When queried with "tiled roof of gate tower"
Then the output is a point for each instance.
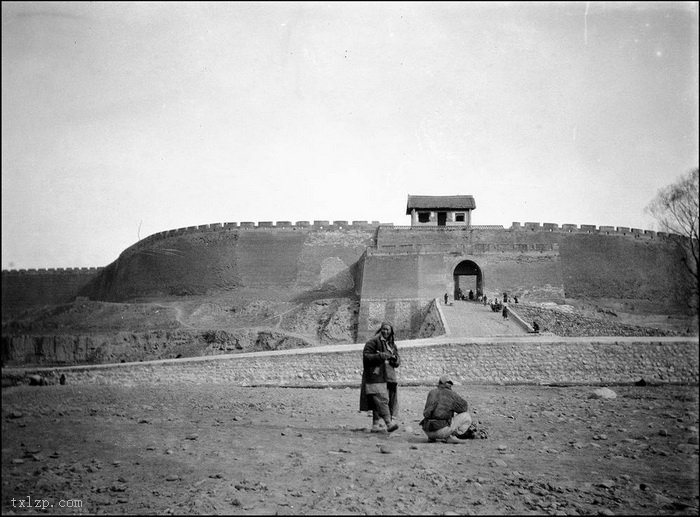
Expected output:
(440, 203)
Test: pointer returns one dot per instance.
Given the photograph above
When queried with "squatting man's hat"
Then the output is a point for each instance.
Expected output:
(446, 379)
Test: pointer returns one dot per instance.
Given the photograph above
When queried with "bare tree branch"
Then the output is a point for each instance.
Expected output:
(677, 210)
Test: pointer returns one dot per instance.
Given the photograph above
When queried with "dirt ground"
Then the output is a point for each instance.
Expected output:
(204, 449)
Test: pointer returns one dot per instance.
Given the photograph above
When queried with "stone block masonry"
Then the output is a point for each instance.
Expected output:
(540, 360)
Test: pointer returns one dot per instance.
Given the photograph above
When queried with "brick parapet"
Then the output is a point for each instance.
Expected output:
(590, 228)
(529, 360)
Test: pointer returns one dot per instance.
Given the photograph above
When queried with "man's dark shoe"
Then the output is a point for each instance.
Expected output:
(392, 427)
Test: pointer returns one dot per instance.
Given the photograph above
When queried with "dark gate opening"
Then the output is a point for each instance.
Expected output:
(442, 218)
(468, 276)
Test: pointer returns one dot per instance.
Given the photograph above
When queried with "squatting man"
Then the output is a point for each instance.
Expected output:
(446, 414)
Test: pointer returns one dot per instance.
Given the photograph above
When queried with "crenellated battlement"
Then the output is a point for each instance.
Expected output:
(591, 228)
(54, 271)
(263, 225)
(546, 227)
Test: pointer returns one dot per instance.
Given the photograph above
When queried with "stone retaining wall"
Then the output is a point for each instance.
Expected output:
(527, 360)
(434, 322)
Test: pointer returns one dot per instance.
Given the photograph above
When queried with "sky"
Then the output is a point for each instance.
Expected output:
(124, 119)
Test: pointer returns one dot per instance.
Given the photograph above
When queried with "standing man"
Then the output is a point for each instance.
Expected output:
(446, 414)
(378, 392)
(392, 380)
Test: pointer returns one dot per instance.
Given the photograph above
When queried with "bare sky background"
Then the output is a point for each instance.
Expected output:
(120, 120)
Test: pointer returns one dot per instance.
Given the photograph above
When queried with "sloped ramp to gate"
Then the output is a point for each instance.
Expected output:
(474, 319)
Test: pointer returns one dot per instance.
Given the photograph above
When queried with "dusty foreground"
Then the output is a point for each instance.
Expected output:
(187, 449)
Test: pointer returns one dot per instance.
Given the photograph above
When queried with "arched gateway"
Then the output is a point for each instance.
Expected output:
(468, 276)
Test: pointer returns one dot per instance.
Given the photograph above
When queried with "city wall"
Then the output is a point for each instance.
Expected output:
(396, 271)
(219, 259)
(211, 258)
(528, 360)
(24, 288)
